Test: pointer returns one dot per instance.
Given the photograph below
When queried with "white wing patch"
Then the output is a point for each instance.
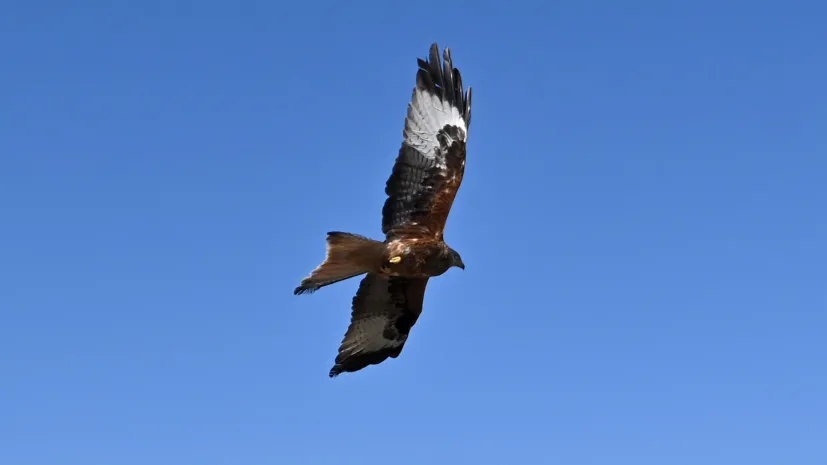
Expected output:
(369, 337)
(427, 115)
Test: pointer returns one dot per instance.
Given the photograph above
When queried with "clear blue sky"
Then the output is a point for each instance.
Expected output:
(642, 219)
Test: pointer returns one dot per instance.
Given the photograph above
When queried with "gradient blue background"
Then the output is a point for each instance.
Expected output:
(643, 219)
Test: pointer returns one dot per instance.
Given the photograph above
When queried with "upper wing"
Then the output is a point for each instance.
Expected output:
(431, 162)
(384, 310)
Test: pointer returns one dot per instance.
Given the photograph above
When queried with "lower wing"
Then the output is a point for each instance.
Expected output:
(383, 312)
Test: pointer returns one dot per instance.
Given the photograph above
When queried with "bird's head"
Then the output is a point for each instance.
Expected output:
(456, 260)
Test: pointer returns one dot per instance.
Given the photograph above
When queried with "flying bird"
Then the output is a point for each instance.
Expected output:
(420, 192)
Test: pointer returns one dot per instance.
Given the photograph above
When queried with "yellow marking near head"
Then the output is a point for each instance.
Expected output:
(395, 260)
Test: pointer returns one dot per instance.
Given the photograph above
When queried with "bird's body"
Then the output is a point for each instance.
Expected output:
(418, 258)
(421, 190)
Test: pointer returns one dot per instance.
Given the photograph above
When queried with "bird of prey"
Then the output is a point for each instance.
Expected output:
(420, 192)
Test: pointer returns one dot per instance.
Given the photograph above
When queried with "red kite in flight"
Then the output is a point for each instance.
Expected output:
(421, 189)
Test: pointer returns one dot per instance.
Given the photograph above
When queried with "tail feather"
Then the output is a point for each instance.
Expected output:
(348, 255)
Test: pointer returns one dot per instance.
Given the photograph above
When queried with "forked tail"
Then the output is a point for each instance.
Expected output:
(348, 255)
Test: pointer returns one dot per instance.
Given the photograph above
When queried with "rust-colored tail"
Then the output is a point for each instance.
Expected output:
(348, 255)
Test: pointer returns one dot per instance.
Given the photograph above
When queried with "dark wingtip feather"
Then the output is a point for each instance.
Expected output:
(448, 89)
(351, 363)
(435, 66)
(468, 108)
(444, 80)
(335, 371)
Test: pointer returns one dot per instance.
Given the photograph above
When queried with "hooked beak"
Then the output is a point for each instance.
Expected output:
(461, 265)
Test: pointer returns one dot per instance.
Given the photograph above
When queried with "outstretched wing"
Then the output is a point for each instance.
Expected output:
(384, 310)
(431, 162)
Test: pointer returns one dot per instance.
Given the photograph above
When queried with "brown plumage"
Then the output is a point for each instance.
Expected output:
(421, 190)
